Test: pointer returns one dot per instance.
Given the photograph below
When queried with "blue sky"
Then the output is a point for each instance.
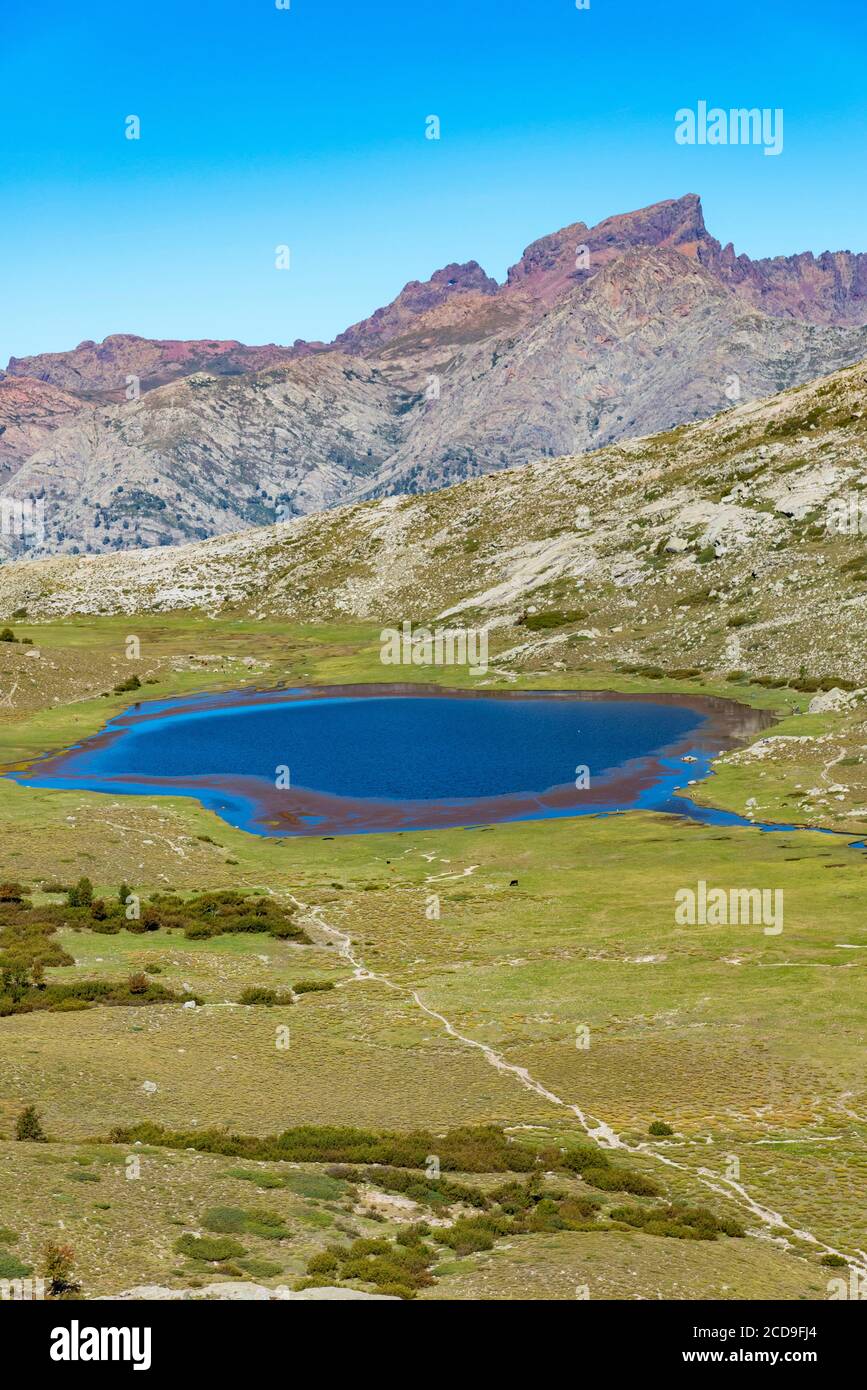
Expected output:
(305, 127)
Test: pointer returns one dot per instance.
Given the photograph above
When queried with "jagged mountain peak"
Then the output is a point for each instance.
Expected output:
(599, 333)
(551, 265)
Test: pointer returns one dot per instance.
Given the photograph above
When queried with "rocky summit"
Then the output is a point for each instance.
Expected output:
(638, 324)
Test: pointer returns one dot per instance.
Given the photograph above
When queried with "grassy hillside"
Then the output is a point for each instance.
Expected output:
(708, 547)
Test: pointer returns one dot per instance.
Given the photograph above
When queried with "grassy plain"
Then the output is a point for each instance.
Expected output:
(750, 1047)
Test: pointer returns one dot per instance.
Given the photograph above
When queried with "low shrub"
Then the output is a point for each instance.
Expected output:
(319, 1187)
(677, 1221)
(131, 683)
(467, 1235)
(620, 1180)
(237, 1221)
(258, 995)
(542, 622)
(208, 1248)
(659, 1128)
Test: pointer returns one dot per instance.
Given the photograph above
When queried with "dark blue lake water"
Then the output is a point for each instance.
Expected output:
(294, 762)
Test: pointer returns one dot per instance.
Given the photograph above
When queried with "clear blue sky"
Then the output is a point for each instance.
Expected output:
(262, 126)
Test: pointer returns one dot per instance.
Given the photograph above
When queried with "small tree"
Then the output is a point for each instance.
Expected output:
(58, 1264)
(81, 894)
(123, 892)
(7, 635)
(14, 980)
(29, 1126)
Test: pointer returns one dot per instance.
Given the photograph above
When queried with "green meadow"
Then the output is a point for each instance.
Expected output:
(530, 976)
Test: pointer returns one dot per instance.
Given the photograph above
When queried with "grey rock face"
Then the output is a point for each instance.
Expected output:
(208, 454)
(639, 324)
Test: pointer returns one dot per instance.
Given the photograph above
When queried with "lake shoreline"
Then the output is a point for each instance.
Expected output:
(257, 805)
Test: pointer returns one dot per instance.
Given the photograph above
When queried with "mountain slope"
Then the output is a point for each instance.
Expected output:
(649, 342)
(708, 546)
(29, 412)
(208, 454)
(599, 333)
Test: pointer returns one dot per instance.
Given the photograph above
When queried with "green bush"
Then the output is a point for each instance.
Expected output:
(208, 1248)
(256, 994)
(225, 1220)
(131, 683)
(428, 1191)
(28, 1126)
(318, 1187)
(677, 1221)
(541, 622)
(620, 1180)
(199, 931)
(237, 1221)
(659, 1128)
(467, 1235)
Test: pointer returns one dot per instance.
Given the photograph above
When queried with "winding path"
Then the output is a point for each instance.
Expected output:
(595, 1129)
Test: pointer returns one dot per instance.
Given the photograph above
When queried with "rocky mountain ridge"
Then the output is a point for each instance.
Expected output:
(598, 333)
